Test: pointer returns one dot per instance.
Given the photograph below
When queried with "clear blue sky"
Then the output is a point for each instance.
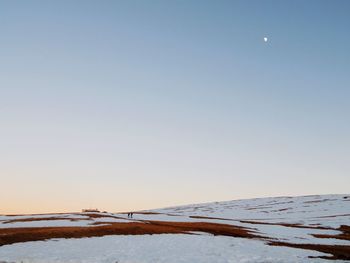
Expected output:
(128, 105)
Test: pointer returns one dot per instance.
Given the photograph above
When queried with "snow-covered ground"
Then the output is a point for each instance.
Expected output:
(286, 219)
(306, 210)
(153, 248)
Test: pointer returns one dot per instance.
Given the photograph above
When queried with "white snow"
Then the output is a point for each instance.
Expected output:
(46, 223)
(112, 220)
(153, 248)
(329, 211)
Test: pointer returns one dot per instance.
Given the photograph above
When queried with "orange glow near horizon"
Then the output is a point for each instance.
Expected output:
(132, 105)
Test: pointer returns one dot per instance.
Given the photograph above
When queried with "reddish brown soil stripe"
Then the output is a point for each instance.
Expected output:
(281, 210)
(331, 216)
(43, 214)
(237, 220)
(215, 218)
(258, 207)
(212, 228)
(15, 235)
(286, 225)
(90, 216)
(279, 203)
(100, 216)
(319, 201)
(42, 219)
(337, 251)
(345, 235)
(147, 213)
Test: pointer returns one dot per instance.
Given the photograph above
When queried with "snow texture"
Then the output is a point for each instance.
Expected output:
(288, 219)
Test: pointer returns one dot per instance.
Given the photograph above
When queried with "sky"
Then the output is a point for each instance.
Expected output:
(129, 105)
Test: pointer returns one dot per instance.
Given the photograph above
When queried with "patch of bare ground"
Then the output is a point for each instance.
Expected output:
(336, 251)
(147, 213)
(319, 201)
(16, 235)
(31, 219)
(280, 210)
(258, 207)
(43, 214)
(274, 202)
(230, 219)
(331, 216)
(88, 215)
(93, 215)
(214, 218)
(211, 228)
(345, 235)
(287, 225)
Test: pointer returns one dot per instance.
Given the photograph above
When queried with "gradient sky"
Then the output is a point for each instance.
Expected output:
(125, 105)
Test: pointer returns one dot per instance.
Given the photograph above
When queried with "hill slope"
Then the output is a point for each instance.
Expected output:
(278, 229)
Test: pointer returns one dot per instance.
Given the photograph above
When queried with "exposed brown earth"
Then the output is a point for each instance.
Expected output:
(16, 235)
(93, 215)
(258, 207)
(41, 219)
(274, 202)
(43, 214)
(280, 210)
(32, 219)
(230, 219)
(319, 201)
(337, 251)
(217, 218)
(287, 225)
(345, 235)
(331, 216)
(143, 227)
(146, 213)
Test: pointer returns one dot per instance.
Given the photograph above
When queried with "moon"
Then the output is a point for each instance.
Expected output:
(265, 39)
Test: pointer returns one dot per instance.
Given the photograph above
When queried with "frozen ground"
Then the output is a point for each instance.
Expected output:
(287, 219)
